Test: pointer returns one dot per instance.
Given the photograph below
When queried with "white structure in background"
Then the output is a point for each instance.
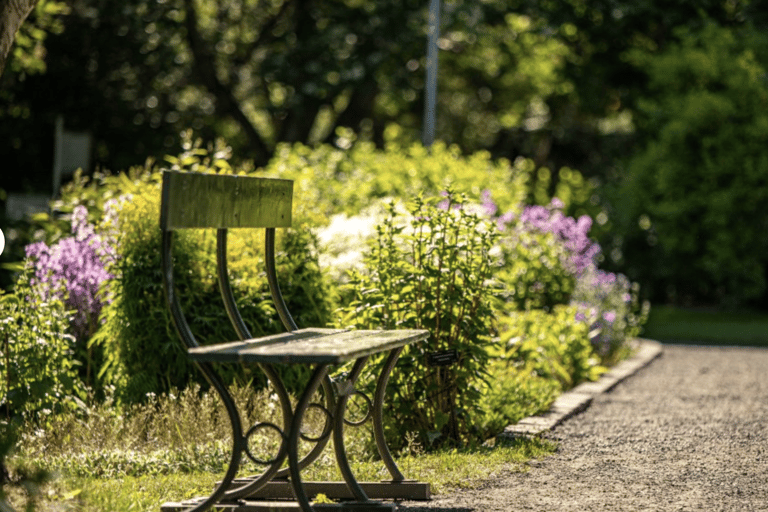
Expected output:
(430, 103)
(71, 151)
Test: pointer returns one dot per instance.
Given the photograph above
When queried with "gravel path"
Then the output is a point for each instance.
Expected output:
(689, 432)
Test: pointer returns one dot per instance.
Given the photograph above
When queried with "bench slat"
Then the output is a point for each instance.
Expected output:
(193, 200)
(308, 346)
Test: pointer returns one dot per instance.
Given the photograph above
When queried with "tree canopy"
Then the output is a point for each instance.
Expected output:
(517, 78)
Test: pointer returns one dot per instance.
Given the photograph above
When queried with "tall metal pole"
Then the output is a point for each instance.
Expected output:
(428, 134)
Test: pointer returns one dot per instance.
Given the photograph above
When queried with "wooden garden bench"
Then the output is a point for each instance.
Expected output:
(223, 202)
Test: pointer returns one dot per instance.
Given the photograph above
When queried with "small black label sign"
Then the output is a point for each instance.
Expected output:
(444, 358)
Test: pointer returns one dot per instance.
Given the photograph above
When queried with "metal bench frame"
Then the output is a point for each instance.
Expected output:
(194, 200)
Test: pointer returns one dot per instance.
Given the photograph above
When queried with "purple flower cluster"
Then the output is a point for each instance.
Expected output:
(604, 299)
(572, 233)
(77, 263)
(605, 302)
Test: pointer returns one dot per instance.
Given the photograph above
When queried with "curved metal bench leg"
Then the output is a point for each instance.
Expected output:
(378, 415)
(273, 470)
(320, 372)
(338, 435)
(238, 442)
(320, 445)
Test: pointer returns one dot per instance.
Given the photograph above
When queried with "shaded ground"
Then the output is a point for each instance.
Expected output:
(689, 432)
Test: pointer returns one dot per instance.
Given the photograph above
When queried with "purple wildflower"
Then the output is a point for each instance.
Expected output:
(572, 233)
(489, 207)
(77, 262)
(556, 204)
(504, 220)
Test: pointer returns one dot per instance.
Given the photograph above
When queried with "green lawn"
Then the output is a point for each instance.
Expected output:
(676, 325)
(444, 470)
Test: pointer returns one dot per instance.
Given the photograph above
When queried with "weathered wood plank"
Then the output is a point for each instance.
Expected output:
(194, 200)
(308, 346)
(282, 506)
(282, 490)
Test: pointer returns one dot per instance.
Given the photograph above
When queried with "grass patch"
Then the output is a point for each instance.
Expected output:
(671, 324)
(445, 470)
(176, 447)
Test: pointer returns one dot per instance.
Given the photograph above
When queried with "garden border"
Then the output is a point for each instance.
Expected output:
(580, 397)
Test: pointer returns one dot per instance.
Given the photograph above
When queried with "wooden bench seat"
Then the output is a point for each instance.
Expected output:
(307, 346)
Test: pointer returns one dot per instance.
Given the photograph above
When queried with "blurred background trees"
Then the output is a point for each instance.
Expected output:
(658, 102)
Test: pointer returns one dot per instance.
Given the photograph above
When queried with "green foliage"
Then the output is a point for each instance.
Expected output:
(552, 345)
(578, 194)
(433, 272)
(29, 50)
(691, 208)
(539, 355)
(591, 128)
(349, 179)
(535, 271)
(517, 77)
(513, 393)
(39, 372)
(499, 72)
(612, 305)
(228, 69)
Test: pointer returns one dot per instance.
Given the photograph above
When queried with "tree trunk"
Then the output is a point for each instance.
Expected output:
(12, 15)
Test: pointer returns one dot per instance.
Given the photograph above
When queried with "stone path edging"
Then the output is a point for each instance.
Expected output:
(579, 398)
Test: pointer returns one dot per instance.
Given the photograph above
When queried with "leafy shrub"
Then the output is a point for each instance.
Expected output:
(691, 209)
(573, 234)
(550, 260)
(552, 345)
(514, 393)
(348, 180)
(547, 259)
(534, 272)
(144, 354)
(539, 355)
(544, 253)
(433, 272)
(39, 371)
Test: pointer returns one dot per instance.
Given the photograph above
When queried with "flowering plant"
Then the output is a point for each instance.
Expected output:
(572, 234)
(73, 270)
(607, 301)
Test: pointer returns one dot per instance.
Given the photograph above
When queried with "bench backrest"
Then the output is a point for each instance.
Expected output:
(219, 201)
(194, 200)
